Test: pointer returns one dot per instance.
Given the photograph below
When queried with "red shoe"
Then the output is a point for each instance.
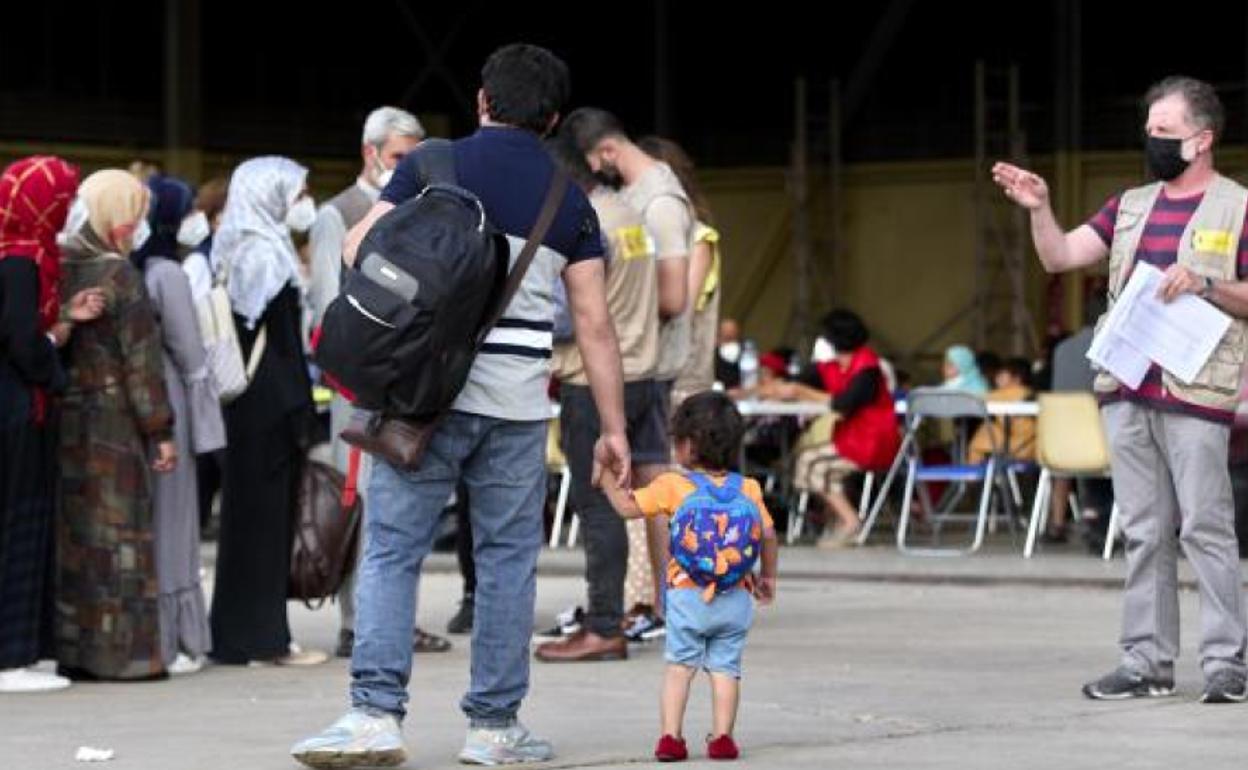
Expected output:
(671, 749)
(722, 747)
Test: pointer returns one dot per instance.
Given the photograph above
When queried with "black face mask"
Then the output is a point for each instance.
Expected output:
(1165, 157)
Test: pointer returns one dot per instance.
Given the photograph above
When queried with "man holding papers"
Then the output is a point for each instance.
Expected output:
(1168, 426)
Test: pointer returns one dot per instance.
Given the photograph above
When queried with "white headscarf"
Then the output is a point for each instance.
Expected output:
(253, 244)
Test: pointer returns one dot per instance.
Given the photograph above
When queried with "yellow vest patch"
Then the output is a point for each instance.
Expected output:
(1213, 241)
(631, 242)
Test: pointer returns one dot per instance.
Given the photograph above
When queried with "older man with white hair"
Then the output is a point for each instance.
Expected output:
(389, 134)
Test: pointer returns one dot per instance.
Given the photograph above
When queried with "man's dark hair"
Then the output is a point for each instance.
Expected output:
(572, 161)
(1019, 369)
(525, 86)
(587, 126)
(845, 330)
(711, 422)
(988, 363)
(1204, 108)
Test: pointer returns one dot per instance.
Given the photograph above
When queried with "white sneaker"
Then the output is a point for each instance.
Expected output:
(18, 680)
(359, 738)
(184, 664)
(301, 657)
(505, 746)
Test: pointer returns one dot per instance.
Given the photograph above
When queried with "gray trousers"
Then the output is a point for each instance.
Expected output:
(1170, 476)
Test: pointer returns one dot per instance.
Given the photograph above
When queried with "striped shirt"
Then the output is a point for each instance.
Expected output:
(1159, 247)
(509, 170)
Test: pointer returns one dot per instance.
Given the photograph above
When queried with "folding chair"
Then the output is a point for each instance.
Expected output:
(939, 404)
(557, 464)
(1071, 444)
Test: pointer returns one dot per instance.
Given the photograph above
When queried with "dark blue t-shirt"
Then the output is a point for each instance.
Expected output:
(509, 170)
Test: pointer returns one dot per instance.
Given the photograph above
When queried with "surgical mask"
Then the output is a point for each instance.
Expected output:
(141, 233)
(1165, 157)
(730, 352)
(383, 178)
(301, 215)
(823, 351)
(194, 229)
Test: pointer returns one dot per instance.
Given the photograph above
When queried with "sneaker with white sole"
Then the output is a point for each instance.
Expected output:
(1123, 683)
(360, 738)
(184, 664)
(1225, 686)
(23, 680)
(504, 746)
(567, 623)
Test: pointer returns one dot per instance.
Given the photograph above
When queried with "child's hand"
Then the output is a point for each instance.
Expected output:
(765, 590)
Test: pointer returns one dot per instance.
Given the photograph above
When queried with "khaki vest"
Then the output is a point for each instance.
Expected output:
(353, 204)
(1209, 247)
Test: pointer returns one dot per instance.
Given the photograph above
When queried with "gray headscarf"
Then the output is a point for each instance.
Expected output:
(253, 245)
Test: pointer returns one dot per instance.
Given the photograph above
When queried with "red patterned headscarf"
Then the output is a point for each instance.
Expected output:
(35, 194)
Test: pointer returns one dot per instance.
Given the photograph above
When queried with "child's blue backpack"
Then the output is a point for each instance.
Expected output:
(716, 534)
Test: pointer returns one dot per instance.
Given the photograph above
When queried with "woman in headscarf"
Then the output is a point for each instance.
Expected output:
(962, 373)
(268, 426)
(197, 428)
(34, 198)
(116, 427)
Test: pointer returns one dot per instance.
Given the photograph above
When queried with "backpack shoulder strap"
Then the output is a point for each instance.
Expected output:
(436, 160)
(550, 207)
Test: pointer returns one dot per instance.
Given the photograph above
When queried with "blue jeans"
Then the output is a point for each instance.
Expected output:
(503, 464)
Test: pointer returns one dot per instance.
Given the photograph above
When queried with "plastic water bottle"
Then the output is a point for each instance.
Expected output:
(749, 365)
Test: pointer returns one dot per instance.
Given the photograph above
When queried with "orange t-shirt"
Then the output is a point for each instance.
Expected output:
(664, 496)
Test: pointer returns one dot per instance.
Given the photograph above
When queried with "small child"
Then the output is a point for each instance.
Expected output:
(1013, 383)
(720, 527)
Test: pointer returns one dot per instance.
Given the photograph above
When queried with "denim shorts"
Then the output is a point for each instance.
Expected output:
(708, 636)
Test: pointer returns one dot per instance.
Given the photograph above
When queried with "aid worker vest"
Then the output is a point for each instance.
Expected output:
(1209, 247)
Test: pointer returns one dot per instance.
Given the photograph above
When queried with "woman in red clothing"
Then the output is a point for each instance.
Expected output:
(865, 435)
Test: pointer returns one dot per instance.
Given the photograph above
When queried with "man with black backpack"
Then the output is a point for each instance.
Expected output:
(493, 437)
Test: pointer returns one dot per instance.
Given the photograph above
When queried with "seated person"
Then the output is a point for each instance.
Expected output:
(962, 373)
(1013, 383)
(865, 436)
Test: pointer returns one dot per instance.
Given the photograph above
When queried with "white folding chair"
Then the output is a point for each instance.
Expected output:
(557, 463)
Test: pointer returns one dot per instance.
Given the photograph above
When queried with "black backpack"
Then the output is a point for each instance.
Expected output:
(430, 280)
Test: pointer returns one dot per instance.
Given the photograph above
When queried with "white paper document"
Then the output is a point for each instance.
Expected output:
(1142, 329)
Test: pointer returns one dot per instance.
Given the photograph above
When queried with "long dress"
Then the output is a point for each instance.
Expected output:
(115, 409)
(198, 427)
(27, 469)
(268, 433)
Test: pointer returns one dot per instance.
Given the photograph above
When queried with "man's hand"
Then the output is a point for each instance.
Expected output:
(611, 451)
(1179, 280)
(1021, 186)
(87, 305)
(166, 457)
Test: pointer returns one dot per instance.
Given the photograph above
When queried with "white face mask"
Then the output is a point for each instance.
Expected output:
(383, 178)
(823, 351)
(141, 234)
(194, 229)
(301, 215)
(730, 352)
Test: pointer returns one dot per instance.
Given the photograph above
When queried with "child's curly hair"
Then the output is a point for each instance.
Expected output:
(713, 425)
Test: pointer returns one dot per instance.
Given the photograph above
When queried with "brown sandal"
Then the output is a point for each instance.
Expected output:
(426, 642)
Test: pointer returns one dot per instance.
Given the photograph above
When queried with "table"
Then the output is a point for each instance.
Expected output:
(759, 408)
